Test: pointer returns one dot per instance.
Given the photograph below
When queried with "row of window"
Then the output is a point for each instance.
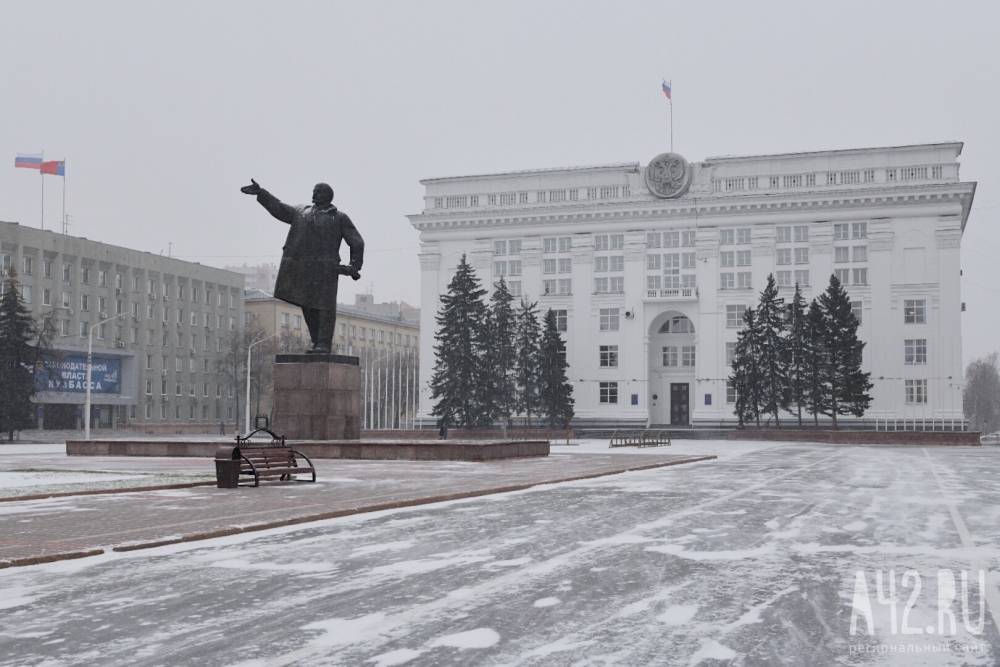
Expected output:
(914, 392)
(808, 179)
(528, 197)
(148, 411)
(28, 269)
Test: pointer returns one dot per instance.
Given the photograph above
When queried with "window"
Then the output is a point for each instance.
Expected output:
(84, 329)
(608, 319)
(616, 285)
(860, 276)
(916, 391)
(26, 293)
(915, 351)
(743, 235)
(670, 356)
(841, 231)
(687, 356)
(783, 256)
(859, 253)
(85, 302)
(801, 234)
(600, 264)
(727, 236)
(687, 239)
(28, 266)
(47, 267)
(548, 266)
(802, 255)
(783, 278)
(609, 393)
(841, 255)
(744, 280)
(914, 311)
(653, 240)
(730, 391)
(565, 265)
(46, 297)
(734, 315)
(608, 356)
(64, 327)
(601, 286)
(730, 353)
(85, 275)
(783, 234)
(843, 275)
(67, 273)
(727, 258)
(561, 320)
(678, 324)
(616, 263)
(856, 310)
(802, 277)
(102, 278)
(743, 257)
(727, 280)
(859, 230)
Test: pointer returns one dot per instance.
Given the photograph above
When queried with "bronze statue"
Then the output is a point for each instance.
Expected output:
(310, 263)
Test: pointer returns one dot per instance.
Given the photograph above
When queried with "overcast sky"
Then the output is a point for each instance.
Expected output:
(163, 109)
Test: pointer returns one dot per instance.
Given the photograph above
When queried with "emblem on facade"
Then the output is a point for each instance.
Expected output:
(668, 175)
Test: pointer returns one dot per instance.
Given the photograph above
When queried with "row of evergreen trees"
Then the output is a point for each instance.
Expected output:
(793, 358)
(495, 360)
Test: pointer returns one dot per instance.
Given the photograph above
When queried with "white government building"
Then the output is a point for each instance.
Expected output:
(649, 268)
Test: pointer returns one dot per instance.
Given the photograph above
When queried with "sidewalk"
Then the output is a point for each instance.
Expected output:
(33, 531)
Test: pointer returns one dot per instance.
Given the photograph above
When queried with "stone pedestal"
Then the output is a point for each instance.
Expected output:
(317, 397)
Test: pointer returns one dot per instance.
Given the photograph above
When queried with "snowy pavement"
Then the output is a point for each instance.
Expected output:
(761, 557)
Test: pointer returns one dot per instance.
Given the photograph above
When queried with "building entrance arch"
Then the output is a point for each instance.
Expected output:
(672, 358)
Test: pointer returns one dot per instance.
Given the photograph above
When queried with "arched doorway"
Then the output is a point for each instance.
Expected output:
(672, 358)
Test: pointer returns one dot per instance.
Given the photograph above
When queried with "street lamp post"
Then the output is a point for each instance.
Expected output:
(247, 407)
(90, 360)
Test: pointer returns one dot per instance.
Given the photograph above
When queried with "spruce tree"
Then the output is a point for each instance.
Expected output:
(746, 375)
(815, 387)
(456, 386)
(849, 385)
(18, 359)
(772, 356)
(796, 345)
(555, 391)
(528, 353)
(498, 356)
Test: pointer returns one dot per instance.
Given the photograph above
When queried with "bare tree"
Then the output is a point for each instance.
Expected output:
(982, 394)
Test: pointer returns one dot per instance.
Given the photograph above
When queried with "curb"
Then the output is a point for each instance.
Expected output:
(413, 502)
(38, 560)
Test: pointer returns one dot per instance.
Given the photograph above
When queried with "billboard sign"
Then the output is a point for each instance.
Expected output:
(69, 374)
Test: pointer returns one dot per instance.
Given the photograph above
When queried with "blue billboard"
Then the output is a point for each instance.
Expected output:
(69, 374)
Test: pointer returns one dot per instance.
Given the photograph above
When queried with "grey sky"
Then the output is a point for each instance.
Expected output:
(163, 109)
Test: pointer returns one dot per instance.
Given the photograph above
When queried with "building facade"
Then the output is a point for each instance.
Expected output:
(384, 337)
(649, 268)
(159, 329)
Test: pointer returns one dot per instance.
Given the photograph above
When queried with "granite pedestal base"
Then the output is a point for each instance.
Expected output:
(317, 397)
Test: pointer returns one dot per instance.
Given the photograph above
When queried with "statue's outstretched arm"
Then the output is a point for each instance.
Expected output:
(357, 244)
(276, 207)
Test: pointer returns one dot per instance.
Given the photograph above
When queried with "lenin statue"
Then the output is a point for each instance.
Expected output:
(310, 263)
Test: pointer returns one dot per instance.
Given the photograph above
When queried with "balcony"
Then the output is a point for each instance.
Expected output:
(672, 294)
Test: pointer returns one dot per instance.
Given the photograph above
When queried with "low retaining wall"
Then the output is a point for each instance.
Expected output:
(428, 450)
(917, 438)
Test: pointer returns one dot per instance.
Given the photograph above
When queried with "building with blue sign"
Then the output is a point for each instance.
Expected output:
(160, 327)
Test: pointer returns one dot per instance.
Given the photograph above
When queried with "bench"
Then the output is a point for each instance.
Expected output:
(274, 462)
(241, 463)
(639, 439)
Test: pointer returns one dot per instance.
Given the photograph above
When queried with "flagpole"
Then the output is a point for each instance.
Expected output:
(671, 115)
(64, 198)
(42, 175)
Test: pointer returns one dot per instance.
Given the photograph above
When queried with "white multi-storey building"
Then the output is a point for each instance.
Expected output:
(649, 268)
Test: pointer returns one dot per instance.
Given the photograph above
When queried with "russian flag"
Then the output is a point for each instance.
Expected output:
(666, 90)
(28, 161)
(54, 167)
